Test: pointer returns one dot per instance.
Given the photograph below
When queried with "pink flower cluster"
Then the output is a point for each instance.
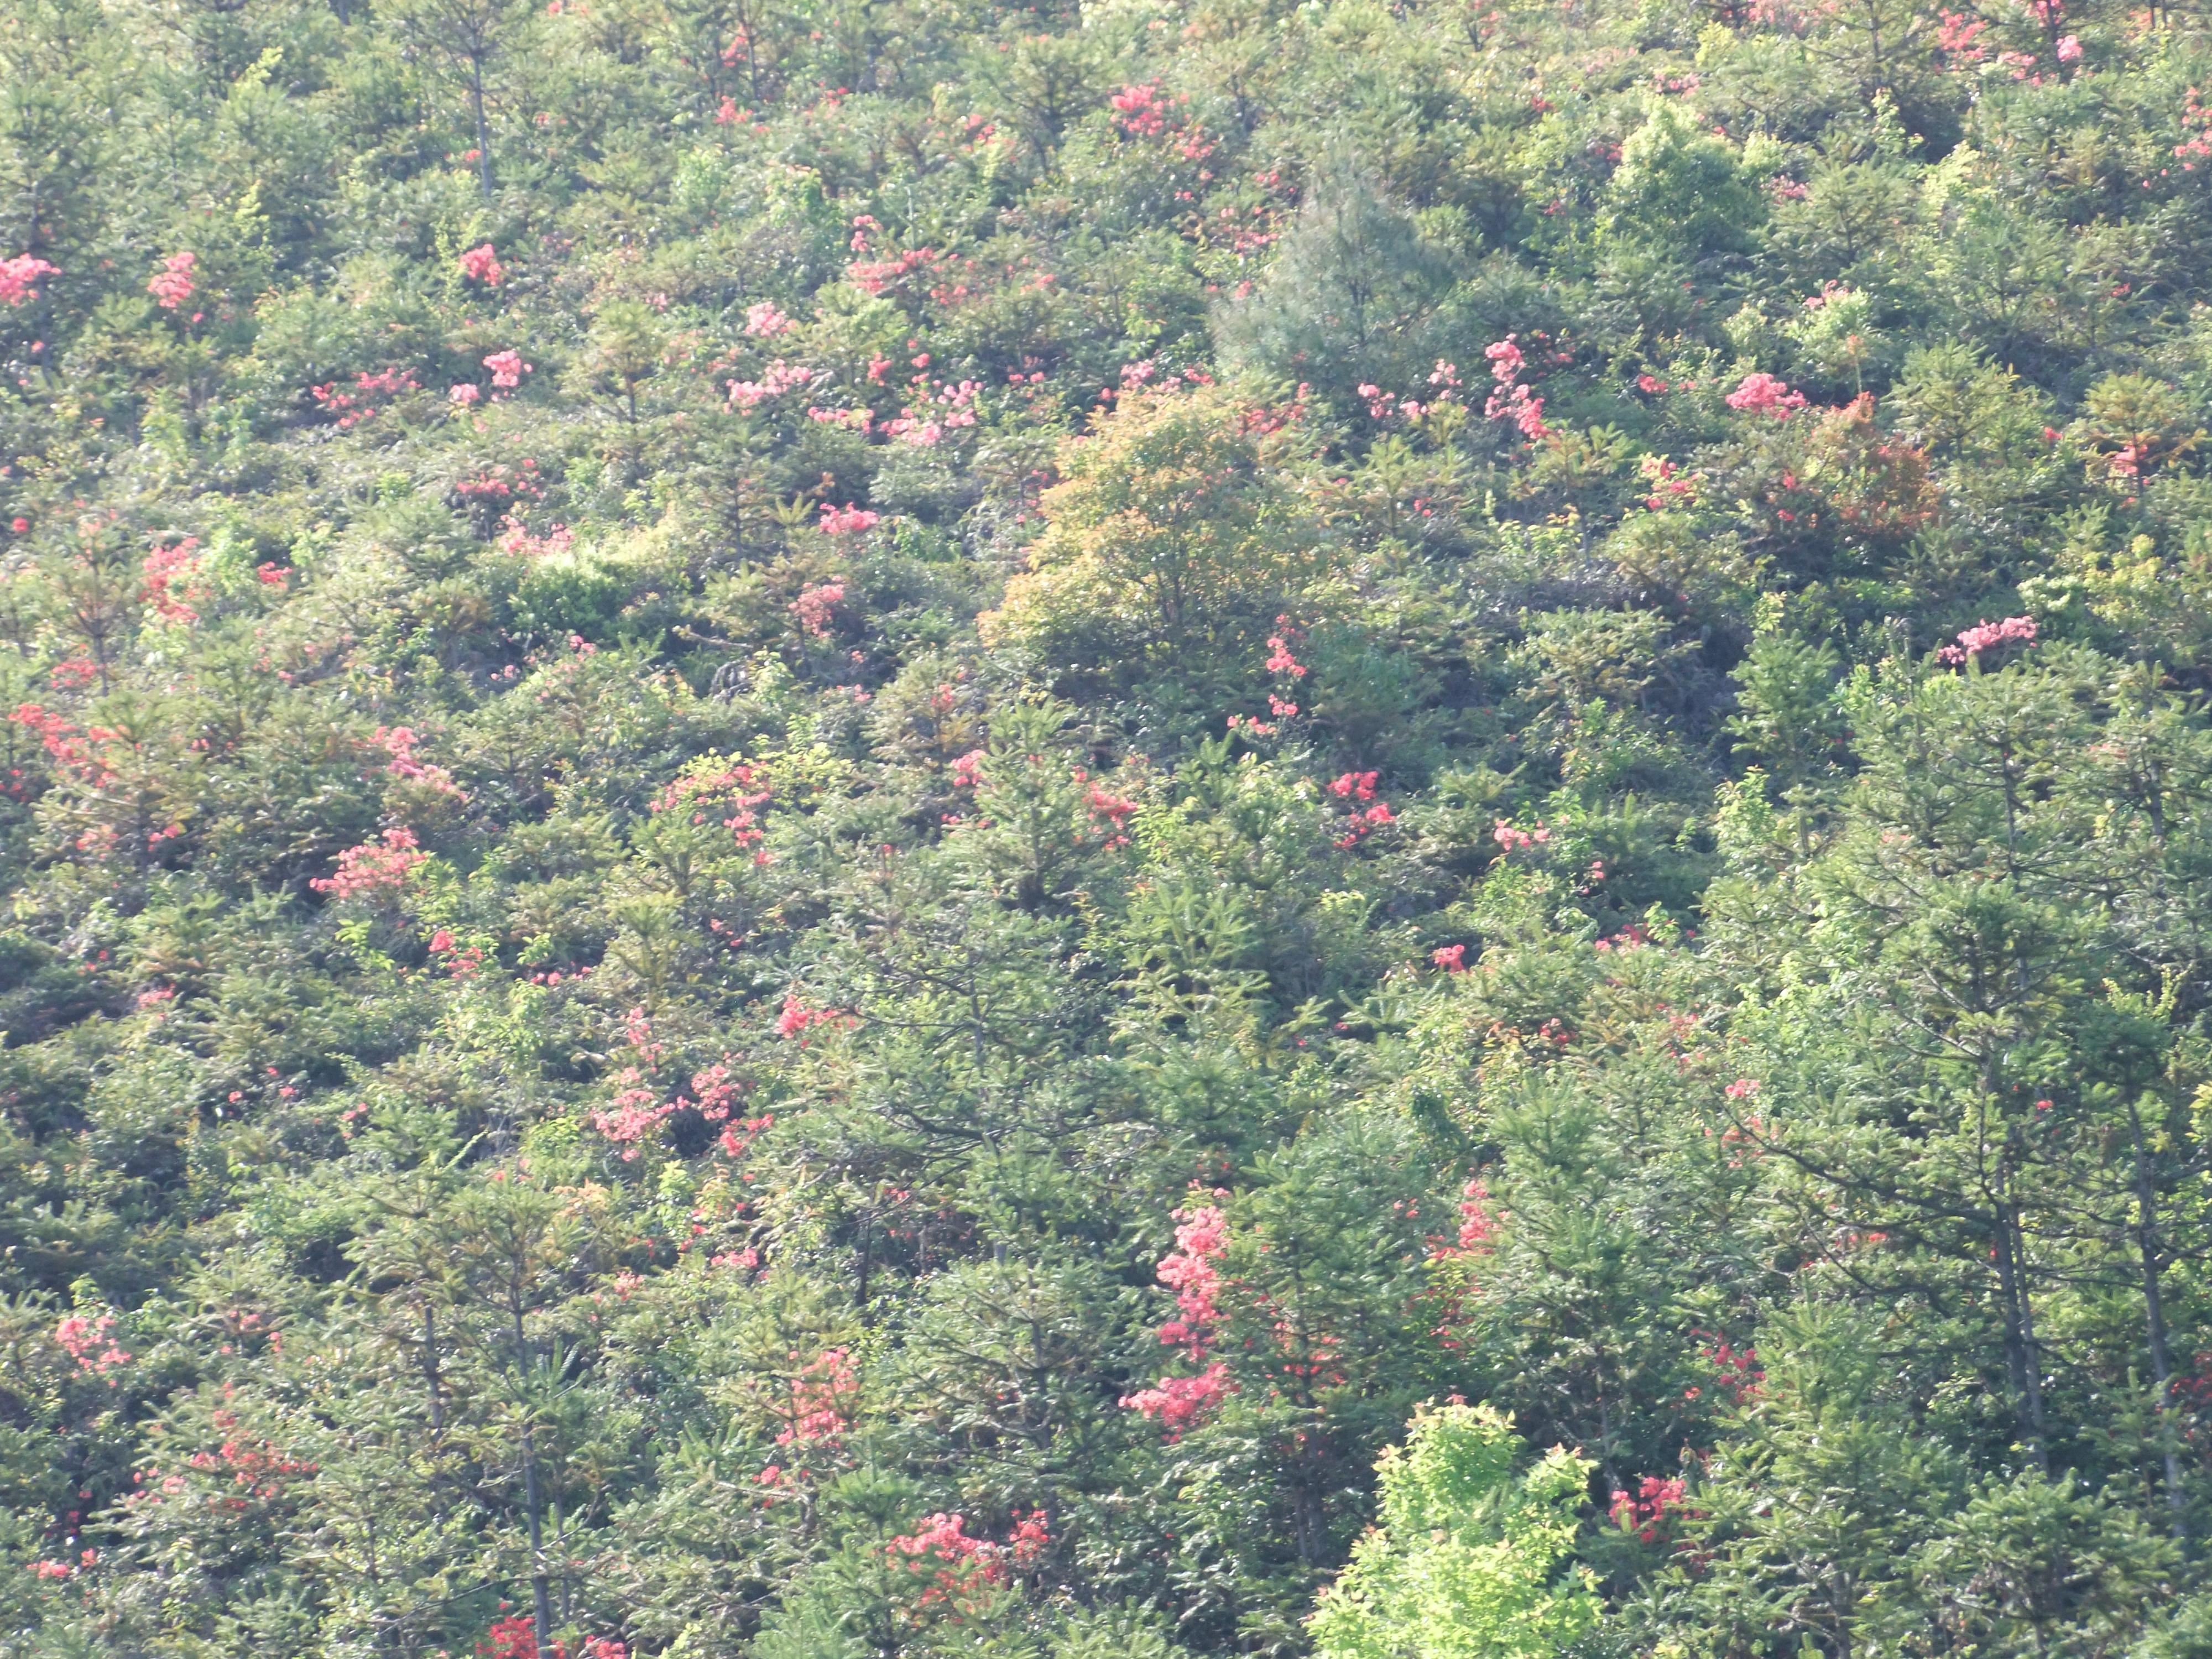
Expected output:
(1354, 788)
(957, 1565)
(481, 265)
(172, 285)
(1761, 393)
(1514, 841)
(18, 272)
(816, 606)
(374, 867)
(173, 583)
(633, 1115)
(849, 519)
(1478, 1224)
(779, 378)
(1511, 401)
(1645, 1511)
(923, 424)
(821, 1399)
(798, 1018)
(765, 321)
(1140, 113)
(1986, 637)
(1116, 809)
(1179, 1401)
(507, 369)
(89, 1341)
(1201, 1234)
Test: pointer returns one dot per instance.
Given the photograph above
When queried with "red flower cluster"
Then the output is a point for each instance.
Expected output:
(372, 867)
(1201, 1234)
(1646, 1512)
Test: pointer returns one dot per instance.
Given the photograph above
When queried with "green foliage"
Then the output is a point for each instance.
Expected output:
(1470, 1557)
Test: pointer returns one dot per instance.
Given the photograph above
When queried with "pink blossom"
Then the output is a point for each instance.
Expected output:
(1178, 1401)
(849, 519)
(1764, 394)
(816, 606)
(1188, 1270)
(1644, 1512)
(633, 1116)
(465, 393)
(18, 273)
(372, 868)
(1478, 1223)
(1142, 115)
(1116, 809)
(966, 769)
(1357, 785)
(765, 320)
(1281, 661)
(1512, 402)
(172, 285)
(1985, 636)
(779, 378)
(1742, 1089)
(173, 584)
(89, 1341)
(797, 1018)
(398, 742)
(481, 265)
(1514, 839)
(1452, 958)
(507, 369)
(821, 1399)
(2069, 49)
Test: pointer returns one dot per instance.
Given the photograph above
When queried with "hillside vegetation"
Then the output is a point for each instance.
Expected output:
(884, 829)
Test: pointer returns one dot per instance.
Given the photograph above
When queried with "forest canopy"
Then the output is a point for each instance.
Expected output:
(882, 828)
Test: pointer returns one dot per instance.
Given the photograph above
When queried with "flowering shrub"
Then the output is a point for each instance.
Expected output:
(782, 377)
(1762, 394)
(172, 285)
(1644, 1512)
(374, 868)
(173, 585)
(398, 742)
(1988, 636)
(816, 606)
(1177, 1402)
(17, 274)
(1510, 400)
(506, 368)
(481, 265)
(87, 1339)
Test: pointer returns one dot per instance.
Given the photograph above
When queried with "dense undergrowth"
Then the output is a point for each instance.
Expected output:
(838, 827)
